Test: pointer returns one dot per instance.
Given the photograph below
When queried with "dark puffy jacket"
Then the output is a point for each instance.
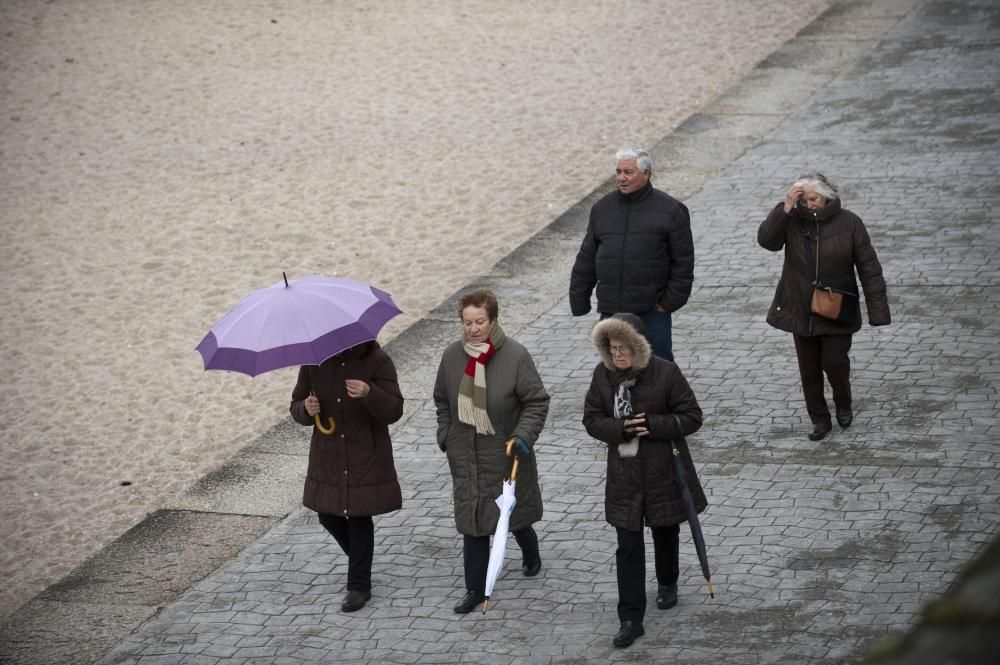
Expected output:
(840, 242)
(644, 489)
(639, 253)
(351, 472)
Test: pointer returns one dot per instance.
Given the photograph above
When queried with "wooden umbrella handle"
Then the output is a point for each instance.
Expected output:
(325, 430)
(319, 423)
(510, 453)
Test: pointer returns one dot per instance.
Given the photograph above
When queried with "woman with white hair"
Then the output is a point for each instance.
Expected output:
(817, 296)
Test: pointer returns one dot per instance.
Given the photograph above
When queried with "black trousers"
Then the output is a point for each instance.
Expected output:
(476, 552)
(356, 536)
(824, 354)
(630, 562)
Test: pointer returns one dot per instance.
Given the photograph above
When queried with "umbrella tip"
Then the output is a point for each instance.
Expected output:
(486, 604)
(285, 277)
(711, 589)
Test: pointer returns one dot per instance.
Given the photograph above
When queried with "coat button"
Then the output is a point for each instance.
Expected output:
(338, 399)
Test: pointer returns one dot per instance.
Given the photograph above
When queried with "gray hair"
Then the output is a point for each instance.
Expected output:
(819, 184)
(641, 157)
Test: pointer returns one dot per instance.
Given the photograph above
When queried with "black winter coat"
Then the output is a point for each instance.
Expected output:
(840, 242)
(644, 489)
(638, 252)
(351, 472)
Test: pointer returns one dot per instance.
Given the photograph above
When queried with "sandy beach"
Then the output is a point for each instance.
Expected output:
(160, 160)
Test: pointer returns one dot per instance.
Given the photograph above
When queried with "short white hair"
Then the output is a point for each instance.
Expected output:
(819, 184)
(641, 157)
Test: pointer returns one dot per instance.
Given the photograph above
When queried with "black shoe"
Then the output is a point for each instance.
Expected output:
(628, 633)
(531, 568)
(820, 431)
(355, 600)
(666, 596)
(845, 417)
(469, 602)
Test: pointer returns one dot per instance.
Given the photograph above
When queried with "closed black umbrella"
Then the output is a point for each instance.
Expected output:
(692, 513)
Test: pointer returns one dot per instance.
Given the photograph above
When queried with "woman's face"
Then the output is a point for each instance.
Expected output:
(622, 354)
(813, 200)
(477, 324)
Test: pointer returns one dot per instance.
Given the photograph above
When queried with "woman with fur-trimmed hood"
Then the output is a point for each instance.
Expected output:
(638, 403)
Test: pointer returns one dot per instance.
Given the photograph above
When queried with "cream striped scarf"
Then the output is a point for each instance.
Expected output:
(472, 389)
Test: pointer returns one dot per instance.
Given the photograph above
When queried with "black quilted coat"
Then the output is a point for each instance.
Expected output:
(840, 241)
(638, 252)
(351, 472)
(643, 489)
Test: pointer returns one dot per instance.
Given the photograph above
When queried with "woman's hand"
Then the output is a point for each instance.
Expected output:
(637, 425)
(792, 197)
(312, 405)
(356, 389)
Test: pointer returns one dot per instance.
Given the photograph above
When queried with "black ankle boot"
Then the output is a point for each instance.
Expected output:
(820, 430)
(666, 596)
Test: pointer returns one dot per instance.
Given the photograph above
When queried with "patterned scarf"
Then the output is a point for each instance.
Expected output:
(472, 389)
(623, 409)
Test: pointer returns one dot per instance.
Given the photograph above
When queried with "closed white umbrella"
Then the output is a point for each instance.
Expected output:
(505, 502)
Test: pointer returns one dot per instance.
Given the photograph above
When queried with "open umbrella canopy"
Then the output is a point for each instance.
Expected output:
(302, 322)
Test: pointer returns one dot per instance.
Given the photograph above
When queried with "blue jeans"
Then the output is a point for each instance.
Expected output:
(658, 331)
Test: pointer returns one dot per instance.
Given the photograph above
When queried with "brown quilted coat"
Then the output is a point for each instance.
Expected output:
(643, 489)
(841, 243)
(351, 472)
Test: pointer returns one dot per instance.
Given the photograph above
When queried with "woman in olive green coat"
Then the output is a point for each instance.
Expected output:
(488, 392)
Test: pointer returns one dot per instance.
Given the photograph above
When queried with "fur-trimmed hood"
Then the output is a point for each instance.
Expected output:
(614, 328)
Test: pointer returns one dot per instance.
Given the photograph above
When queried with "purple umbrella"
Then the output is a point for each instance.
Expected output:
(302, 322)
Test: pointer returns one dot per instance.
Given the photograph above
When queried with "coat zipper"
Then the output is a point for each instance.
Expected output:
(816, 276)
(621, 264)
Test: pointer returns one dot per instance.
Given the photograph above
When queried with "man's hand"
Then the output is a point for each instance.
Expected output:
(521, 448)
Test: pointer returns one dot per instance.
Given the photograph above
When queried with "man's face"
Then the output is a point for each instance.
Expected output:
(629, 177)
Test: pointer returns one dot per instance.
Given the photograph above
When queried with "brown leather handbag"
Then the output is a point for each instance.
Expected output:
(827, 303)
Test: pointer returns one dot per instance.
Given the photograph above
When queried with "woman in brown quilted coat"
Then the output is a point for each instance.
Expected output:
(638, 403)
(824, 244)
(351, 474)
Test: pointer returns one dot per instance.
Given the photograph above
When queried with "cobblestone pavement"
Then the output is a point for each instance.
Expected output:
(818, 550)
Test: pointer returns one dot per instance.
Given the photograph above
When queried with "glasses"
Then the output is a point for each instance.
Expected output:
(619, 350)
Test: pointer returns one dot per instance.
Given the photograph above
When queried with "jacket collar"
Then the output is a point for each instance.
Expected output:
(637, 195)
(826, 212)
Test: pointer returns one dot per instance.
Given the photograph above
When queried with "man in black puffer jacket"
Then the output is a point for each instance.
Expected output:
(638, 252)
